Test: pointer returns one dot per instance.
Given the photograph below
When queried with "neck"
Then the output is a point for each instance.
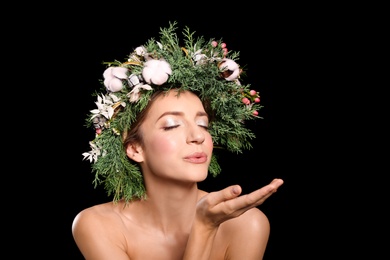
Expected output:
(171, 206)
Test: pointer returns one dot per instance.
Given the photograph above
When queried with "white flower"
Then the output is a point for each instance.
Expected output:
(93, 154)
(137, 53)
(113, 97)
(134, 95)
(140, 51)
(231, 65)
(115, 101)
(156, 71)
(105, 108)
(199, 58)
(113, 77)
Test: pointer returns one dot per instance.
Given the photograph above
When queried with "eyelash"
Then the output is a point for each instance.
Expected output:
(175, 126)
(167, 128)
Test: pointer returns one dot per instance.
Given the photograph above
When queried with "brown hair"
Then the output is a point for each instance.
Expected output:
(133, 135)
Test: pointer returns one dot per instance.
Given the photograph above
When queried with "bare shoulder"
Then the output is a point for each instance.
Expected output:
(97, 232)
(97, 214)
(243, 237)
(253, 221)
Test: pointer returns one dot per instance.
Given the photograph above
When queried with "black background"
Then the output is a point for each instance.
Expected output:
(275, 46)
(315, 65)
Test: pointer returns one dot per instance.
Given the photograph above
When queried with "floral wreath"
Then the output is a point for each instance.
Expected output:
(203, 67)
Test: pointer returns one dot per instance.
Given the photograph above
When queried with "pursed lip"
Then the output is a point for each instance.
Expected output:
(196, 158)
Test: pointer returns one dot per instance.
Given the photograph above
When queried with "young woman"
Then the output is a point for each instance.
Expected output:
(156, 128)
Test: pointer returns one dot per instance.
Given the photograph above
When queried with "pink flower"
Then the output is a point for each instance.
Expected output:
(214, 44)
(225, 52)
(156, 71)
(252, 92)
(257, 100)
(255, 113)
(246, 101)
(113, 77)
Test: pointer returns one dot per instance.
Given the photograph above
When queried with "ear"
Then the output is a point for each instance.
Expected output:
(135, 152)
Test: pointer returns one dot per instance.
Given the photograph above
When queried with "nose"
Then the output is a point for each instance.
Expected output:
(196, 134)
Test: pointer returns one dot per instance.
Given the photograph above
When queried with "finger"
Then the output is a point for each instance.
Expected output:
(228, 193)
(254, 198)
(257, 197)
(277, 183)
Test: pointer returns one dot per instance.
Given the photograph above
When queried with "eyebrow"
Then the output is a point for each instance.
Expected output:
(177, 113)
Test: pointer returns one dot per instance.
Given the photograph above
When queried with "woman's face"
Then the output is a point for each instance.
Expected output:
(176, 142)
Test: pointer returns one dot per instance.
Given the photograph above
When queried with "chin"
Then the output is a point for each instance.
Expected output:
(197, 175)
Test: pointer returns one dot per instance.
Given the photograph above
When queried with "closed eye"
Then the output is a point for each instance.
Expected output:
(167, 128)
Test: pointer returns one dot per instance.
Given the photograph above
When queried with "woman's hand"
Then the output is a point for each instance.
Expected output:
(217, 207)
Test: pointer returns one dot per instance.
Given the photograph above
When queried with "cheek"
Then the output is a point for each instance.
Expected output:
(209, 142)
(162, 145)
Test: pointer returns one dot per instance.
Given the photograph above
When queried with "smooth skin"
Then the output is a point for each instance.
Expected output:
(177, 220)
